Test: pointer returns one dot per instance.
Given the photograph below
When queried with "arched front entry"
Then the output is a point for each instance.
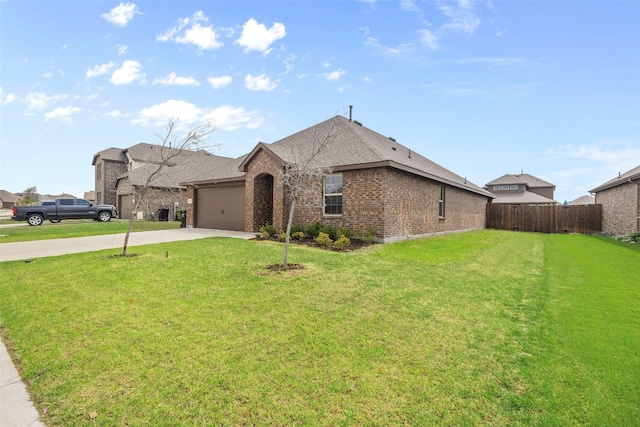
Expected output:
(262, 201)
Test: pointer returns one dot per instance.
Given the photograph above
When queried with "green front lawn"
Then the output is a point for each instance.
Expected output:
(482, 328)
(78, 228)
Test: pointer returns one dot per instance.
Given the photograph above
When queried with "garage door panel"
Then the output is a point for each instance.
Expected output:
(221, 208)
(125, 206)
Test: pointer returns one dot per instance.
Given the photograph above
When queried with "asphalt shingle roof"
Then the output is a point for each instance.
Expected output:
(621, 179)
(193, 163)
(351, 145)
(530, 180)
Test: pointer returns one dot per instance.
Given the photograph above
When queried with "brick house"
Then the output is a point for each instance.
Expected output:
(522, 189)
(620, 200)
(119, 172)
(375, 183)
(8, 200)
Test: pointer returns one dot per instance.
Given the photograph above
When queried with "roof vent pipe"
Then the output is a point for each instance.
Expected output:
(350, 111)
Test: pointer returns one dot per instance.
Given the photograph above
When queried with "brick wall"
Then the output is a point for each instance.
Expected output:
(156, 198)
(393, 204)
(107, 182)
(620, 208)
(260, 166)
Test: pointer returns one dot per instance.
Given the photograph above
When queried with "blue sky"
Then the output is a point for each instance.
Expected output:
(483, 88)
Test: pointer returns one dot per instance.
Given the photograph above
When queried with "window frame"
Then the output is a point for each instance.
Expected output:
(442, 197)
(513, 187)
(326, 194)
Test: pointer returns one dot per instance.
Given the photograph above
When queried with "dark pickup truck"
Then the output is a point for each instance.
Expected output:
(64, 209)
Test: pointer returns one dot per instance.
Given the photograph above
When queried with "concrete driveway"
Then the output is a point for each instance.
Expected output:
(44, 248)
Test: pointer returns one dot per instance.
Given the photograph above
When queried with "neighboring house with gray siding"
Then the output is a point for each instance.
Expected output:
(375, 183)
(620, 200)
(120, 173)
(522, 189)
(8, 200)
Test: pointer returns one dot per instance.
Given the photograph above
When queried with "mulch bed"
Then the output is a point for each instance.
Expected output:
(355, 244)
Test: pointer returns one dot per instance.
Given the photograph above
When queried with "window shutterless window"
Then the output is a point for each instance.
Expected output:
(505, 187)
(496, 187)
(441, 202)
(333, 194)
(513, 187)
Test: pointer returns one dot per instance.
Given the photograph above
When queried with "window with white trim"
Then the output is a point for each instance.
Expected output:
(333, 194)
(513, 187)
(441, 202)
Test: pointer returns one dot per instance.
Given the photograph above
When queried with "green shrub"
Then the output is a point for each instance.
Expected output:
(267, 230)
(633, 237)
(323, 239)
(329, 230)
(365, 236)
(342, 243)
(296, 229)
(282, 236)
(344, 231)
(312, 230)
(299, 235)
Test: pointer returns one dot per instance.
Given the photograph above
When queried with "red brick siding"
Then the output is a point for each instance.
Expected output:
(262, 164)
(620, 208)
(394, 203)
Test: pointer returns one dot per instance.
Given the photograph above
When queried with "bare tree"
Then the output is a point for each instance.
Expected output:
(172, 146)
(302, 173)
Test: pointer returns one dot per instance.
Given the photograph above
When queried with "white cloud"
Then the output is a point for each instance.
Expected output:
(219, 82)
(409, 6)
(192, 31)
(230, 118)
(261, 82)
(461, 16)
(256, 36)
(37, 101)
(335, 75)
(172, 79)
(610, 152)
(121, 15)
(225, 117)
(99, 70)
(402, 48)
(129, 72)
(62, 113)
(429, 39)
(513, 61)
(6, 99)
(115, 113)
(288, 63)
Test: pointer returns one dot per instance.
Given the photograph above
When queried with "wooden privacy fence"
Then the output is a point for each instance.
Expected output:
(581, 219)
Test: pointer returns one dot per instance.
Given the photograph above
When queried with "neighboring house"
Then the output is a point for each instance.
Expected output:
(620, 200)
(523, 189)
(119, 172)
(583, 200)
(375, 183)
(90, 196)
(8, 200)
(52, 197)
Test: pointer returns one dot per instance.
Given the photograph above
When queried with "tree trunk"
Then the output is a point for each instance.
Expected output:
(126, 236)
(286, 244)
